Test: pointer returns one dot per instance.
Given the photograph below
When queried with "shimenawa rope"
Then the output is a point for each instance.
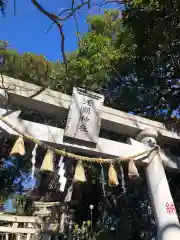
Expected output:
(75, 156)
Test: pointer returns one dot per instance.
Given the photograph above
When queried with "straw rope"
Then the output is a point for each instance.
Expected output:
(65, 153)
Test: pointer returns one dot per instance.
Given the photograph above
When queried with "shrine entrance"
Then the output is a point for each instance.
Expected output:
(77, 164)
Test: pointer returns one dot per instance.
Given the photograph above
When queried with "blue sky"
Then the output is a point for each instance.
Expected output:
(25, 32)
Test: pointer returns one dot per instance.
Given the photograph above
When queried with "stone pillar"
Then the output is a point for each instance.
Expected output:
(163, 206)
(3, 97)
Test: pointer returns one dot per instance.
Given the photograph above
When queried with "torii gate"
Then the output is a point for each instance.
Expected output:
(145, 133)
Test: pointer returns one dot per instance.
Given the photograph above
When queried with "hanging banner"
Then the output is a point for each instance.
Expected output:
(84, 116)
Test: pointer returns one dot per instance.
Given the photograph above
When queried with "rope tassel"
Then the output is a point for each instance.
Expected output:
(18, 148)
(112, 175)
(48, 163)
(132, 170)
(79, 175)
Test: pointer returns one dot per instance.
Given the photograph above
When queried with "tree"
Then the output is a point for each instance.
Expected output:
(2, 6)
(156, 35)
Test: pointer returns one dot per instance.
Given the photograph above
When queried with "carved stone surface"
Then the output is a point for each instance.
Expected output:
(84, 118)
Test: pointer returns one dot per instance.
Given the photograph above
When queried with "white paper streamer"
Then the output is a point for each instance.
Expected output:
(60, 161)
(33, 161)
(61, 172)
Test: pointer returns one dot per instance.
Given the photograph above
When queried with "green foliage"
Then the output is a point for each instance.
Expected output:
(81, 232)
(22, 205)
(105, 24)
(156, 36)
(12, 174)
(3, 45)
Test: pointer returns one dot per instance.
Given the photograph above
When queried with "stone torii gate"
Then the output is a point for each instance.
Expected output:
(84, 115)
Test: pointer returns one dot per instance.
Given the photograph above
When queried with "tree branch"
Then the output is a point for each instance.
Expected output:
(55, 19)
(77, 28)
(110, 2)
(73, 9)
(156, 103)
(14, 7)
(72, 4)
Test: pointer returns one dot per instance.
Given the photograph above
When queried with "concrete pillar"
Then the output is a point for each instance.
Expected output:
(165, 213)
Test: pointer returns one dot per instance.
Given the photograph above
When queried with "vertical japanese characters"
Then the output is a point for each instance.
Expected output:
(170, 208)
(84, 114)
